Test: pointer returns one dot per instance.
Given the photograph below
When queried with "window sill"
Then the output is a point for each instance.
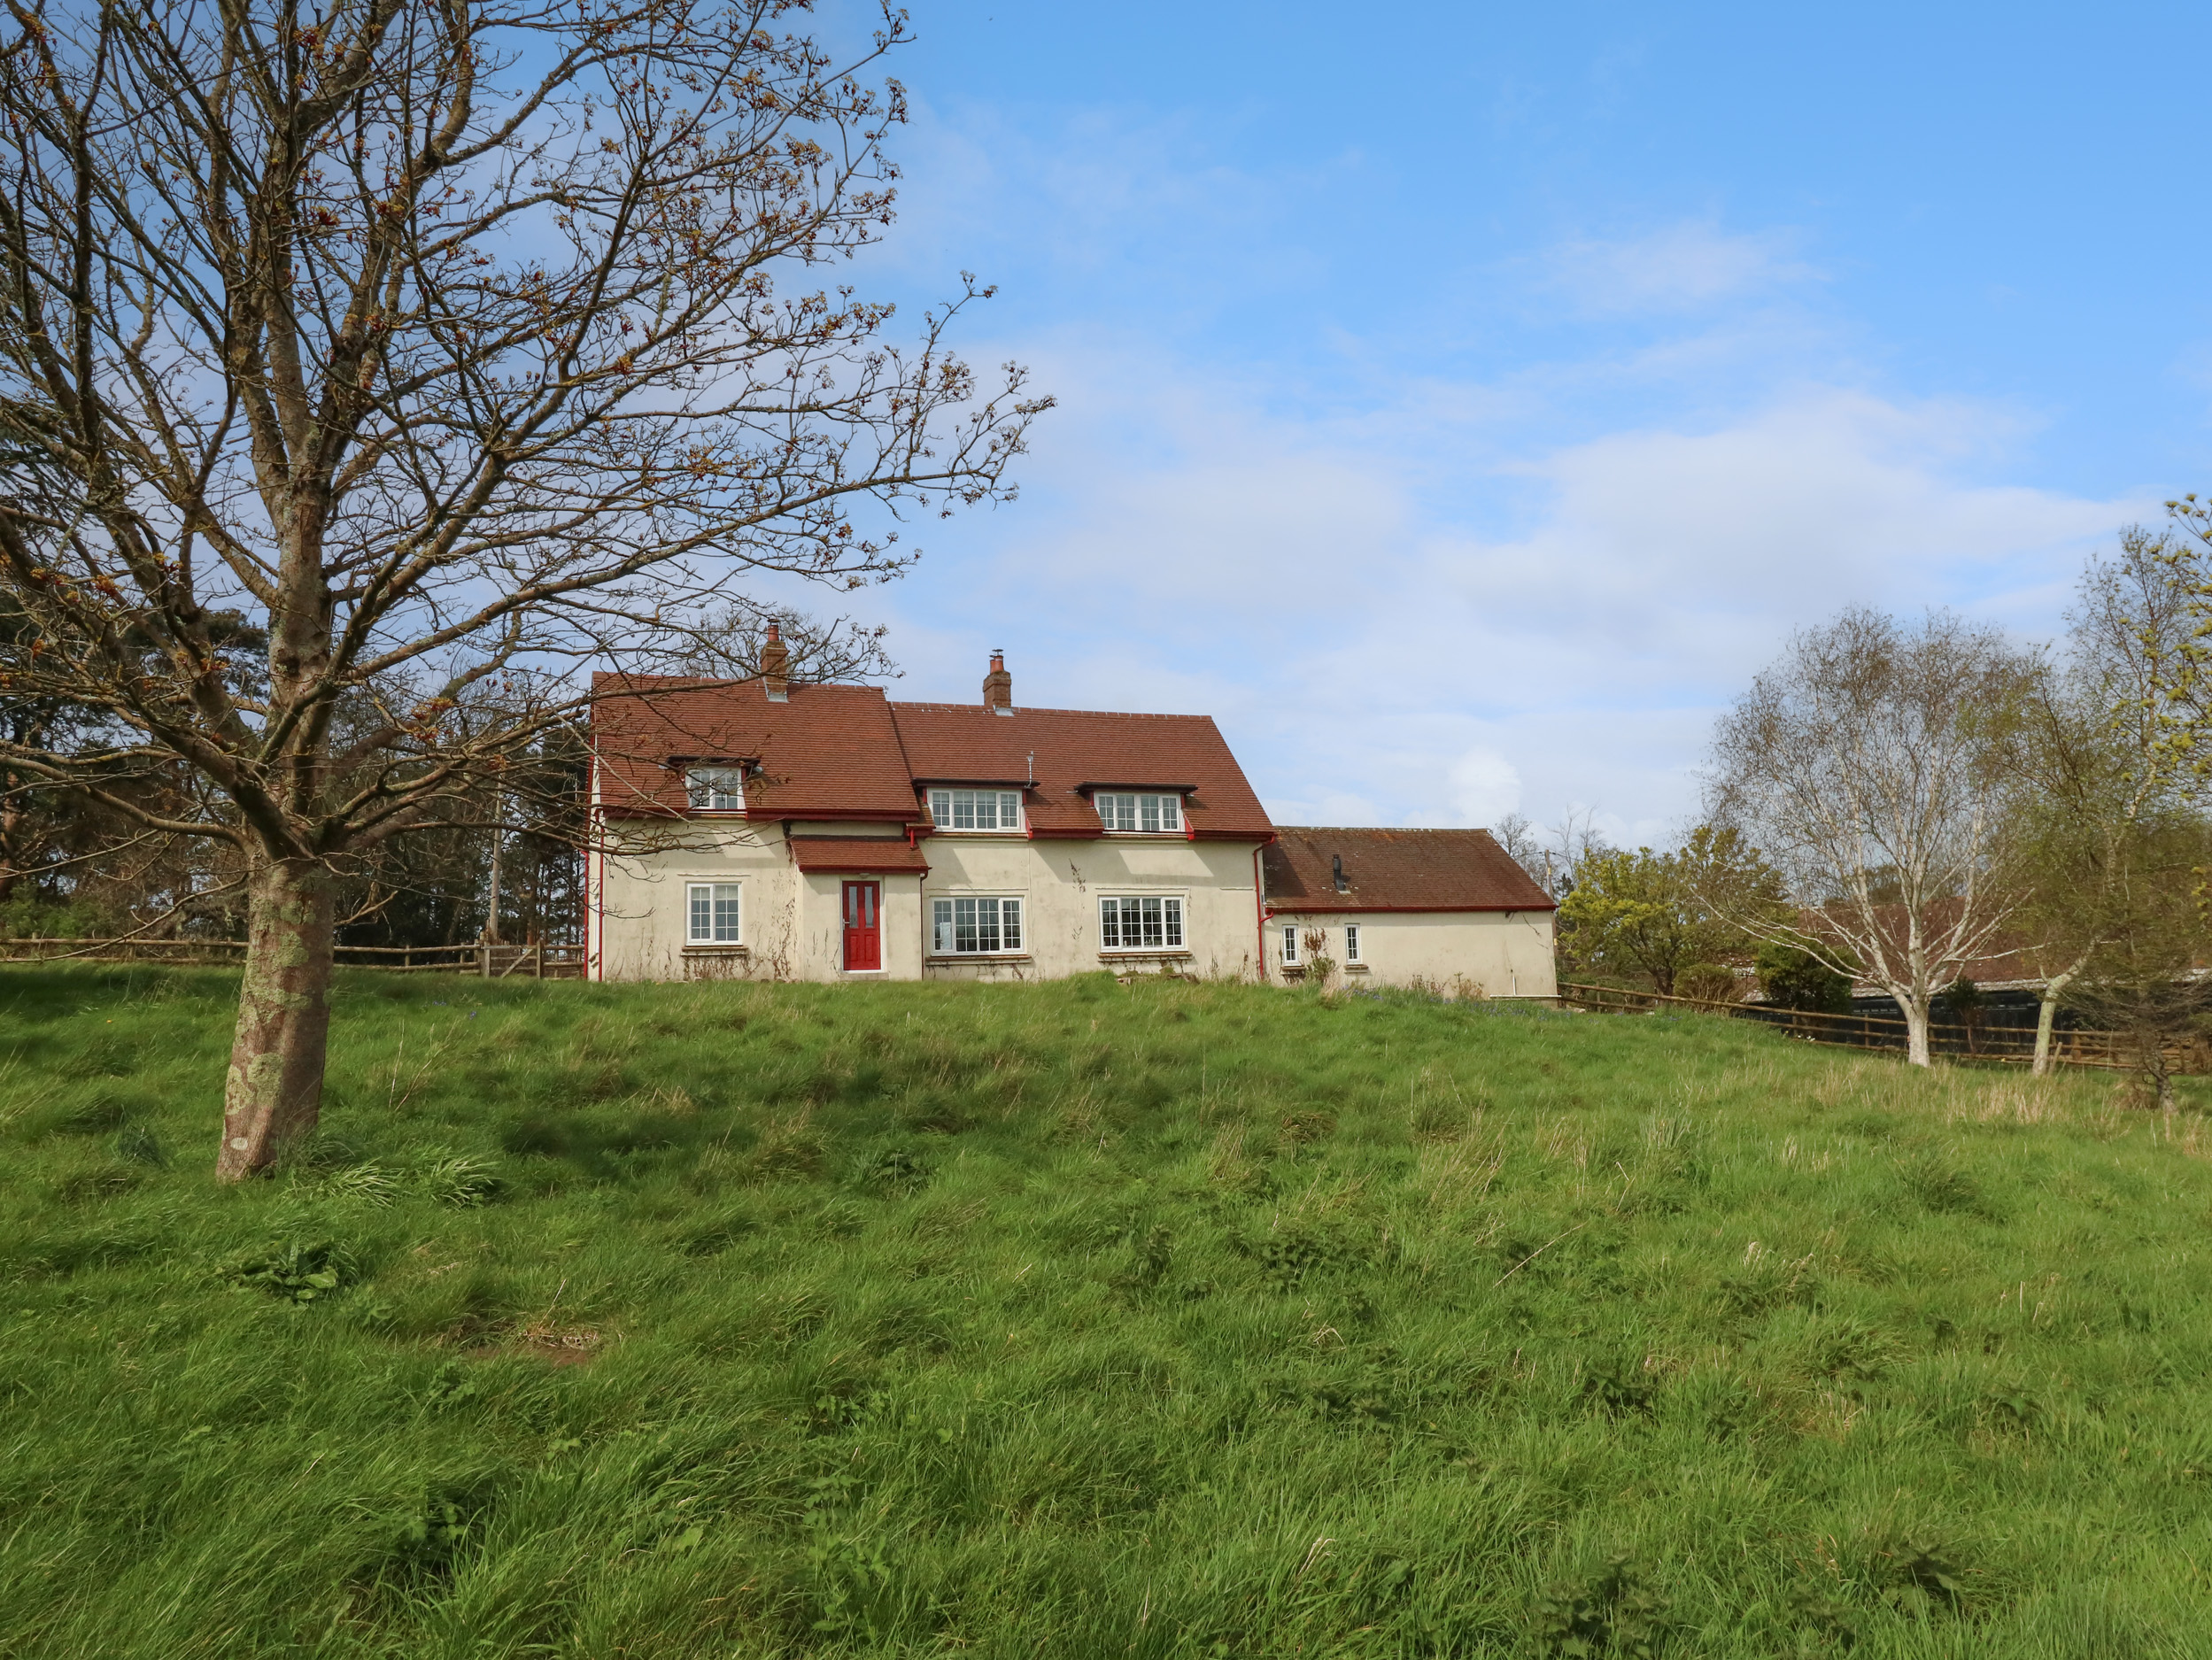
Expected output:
(979, 956)
(1169, 954)
(703, 948)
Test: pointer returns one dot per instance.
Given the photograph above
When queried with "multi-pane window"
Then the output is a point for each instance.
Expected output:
(717, 789)
(1351, 942)
(712, 910)
(1290, 947)
(965, 927)
(976, 810)
(1140, 815)
(1140, 923)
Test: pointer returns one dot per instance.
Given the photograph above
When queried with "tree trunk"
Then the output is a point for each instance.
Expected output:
(274, 1089)
(1916, 1010)
(2047, 1016)
(2046, 1013)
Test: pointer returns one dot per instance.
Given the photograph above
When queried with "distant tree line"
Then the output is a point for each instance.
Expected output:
(1893, 802)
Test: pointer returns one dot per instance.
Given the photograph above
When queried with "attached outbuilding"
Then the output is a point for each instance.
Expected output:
(1445, 909)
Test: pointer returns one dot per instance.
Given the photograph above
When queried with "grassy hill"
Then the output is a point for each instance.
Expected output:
(1084, 1320)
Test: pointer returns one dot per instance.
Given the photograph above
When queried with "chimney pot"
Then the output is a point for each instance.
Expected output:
(775, 665)
(998, 685)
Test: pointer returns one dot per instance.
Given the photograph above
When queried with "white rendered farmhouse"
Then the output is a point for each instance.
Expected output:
(765, 829)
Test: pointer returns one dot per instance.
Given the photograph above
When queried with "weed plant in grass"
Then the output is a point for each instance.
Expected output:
(1084, 1320)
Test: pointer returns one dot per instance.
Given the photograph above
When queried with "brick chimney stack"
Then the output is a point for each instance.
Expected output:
(998, 685)
(775, 665)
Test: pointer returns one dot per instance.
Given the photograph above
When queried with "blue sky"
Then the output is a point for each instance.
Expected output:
(1460, 404)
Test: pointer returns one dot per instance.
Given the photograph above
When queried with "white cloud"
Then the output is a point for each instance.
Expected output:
(1684, 267)
(1379, 650)
(1485, 786)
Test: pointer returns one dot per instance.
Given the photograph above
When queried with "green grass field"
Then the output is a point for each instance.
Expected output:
(1084, 1320)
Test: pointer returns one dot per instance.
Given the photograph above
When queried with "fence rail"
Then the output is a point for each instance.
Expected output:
(2106, 1051)
(536, 962)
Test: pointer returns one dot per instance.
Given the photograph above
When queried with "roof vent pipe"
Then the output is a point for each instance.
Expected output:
(998, 685)
(775, 665)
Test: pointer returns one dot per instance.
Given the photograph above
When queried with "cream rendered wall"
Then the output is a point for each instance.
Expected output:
(1062, 882)
(793, 924)
(1507, 953)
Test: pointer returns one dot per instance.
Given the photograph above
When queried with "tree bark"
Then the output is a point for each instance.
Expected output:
(2046, 1013)
(2047, 1016)
(1915, 1029)
(274, 1089)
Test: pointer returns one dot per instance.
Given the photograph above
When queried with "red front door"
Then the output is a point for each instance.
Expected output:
(863, 925)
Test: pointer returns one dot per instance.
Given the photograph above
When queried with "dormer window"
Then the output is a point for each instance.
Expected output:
(717, 788)
(999, 810)
(1140, 815)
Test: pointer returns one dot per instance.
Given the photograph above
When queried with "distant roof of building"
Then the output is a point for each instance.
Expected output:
(1395, 870)
(830, 753)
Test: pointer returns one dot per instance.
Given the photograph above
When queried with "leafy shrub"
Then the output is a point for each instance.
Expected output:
(1793, 978)
(1921, 1575)
(1613, 1611)
(295, 1270)
(1618, 1390)
(1289, 1258)
(1706, 983)
(1153, 1253)
(893, 1171)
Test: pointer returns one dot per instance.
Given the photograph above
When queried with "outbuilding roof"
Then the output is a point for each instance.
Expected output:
(1395, 870)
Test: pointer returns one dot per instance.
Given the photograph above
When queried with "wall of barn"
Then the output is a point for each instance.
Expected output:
(1498, 954)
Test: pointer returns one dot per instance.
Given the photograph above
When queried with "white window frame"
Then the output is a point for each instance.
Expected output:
(715, 789)
(1351, 943)
(1173, 922)
(715, 896)
(1290, 946)
(945, 925)
(1139, 813)
(945, 805)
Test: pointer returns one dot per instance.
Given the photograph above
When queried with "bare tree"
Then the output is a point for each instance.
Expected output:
(1518, 837)
(1566, 844)
(453, 342)
(1867, 764)
(2108, 747)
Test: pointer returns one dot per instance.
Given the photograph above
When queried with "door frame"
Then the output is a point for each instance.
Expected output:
(845, 930)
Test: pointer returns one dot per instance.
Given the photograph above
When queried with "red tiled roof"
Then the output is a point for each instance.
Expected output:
(859, 855)
(2007, 956)
(845, 751)
(968, 744)
(830, 753)
(1396, 870)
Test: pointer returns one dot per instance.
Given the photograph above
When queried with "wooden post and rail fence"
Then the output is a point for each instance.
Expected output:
(534, 961)
(2107, 1051)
